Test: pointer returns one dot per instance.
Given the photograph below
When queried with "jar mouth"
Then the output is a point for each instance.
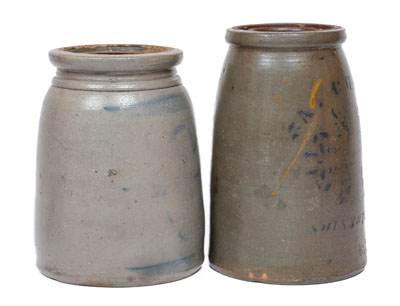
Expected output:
(286, 35)
(115, 58)
(288, 27)
(114, 49)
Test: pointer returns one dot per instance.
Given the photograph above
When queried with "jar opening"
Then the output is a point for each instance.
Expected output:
(286, 35)
(116, 58)
(110, 49)
(288, 27)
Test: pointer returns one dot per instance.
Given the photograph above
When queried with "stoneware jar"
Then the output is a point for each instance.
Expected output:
(119, 199)
(287, 189)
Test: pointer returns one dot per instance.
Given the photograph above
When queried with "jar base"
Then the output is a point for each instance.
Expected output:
(117, 282)
(312, 281)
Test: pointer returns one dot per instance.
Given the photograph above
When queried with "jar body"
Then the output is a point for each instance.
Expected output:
(119, 199)
(287, 191)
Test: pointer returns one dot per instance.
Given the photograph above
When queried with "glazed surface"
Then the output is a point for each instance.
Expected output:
(287, 190)
(119, 197)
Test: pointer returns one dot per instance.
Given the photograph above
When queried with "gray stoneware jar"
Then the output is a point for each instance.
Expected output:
(119, 197)
(287, 190)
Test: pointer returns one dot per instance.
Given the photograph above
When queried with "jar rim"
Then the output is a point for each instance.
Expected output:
(115, 58)
(286, 35)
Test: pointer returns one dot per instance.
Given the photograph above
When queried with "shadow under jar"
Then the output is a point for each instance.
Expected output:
(119, 198)
(286, 187)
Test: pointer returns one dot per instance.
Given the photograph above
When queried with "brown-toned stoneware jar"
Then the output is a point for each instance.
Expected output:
(119, 199)
(287, 190)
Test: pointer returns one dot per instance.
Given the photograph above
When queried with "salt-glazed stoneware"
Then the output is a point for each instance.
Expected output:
(287, 189)
(119, 199)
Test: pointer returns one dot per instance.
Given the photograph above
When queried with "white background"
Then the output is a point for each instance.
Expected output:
(29, 29)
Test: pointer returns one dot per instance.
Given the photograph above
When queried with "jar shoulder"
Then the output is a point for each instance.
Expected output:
(72, 100)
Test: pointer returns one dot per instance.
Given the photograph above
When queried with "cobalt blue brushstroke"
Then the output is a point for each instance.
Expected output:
(182, 236)
(169, 264)
(177, 129)
(171, 103)
(112, 108)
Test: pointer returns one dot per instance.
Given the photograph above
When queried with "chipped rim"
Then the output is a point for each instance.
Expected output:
(117, 58)
(286, 35)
